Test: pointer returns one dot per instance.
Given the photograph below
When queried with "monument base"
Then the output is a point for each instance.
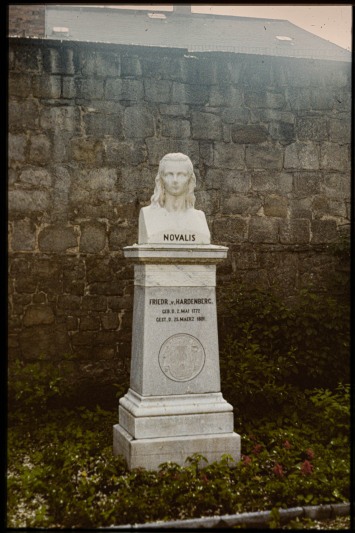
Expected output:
(150, 453)
(156, 429)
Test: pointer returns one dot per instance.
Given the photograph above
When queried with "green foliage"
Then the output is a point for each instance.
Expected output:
(32, 386)
(292, 409)
(272, 352)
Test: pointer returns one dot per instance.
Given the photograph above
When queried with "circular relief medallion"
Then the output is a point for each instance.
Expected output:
(181, 357)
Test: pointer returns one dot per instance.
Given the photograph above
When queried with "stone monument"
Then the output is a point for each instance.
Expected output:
(174, 406)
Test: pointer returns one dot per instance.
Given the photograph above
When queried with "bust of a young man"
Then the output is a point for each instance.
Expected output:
(171, 217)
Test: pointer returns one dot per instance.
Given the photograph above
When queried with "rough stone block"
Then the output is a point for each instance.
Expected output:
(16, 147)
(177, 129)
(295, 231)
(120, 153)
(23, 115)
(299, 99)
(92, 238)
(83, 338)
(130, 66)
(284, 132)
(272, 182)
(275, 206)
(174, 110)
(109, 321)
(72, 323)
(340, 129)
(58, 61)
(239, 204)
(120, 235)
(228, 229)
(225, 95)
(200, 70)
(103, 179)
(100, 124)
(249, 134)
(322, 98)
(307, 183)
(335, 157)
(264, 99)
(46, 86)
(38, 314)
(99, 63)
(124, 89)
(57, 239)
(69, 302)
(36, 177)
(208, 202)
(300, 155)
(337, 185)
(89, 88)
(338, 209)
(46, 339)
(263, 230)
(90, 323)
(157, 90)
(25, 201)
(138, 122)
(64, 118)
(28, 59)
(206, 154)
(240, 115)
(23, 236)
(39, 298)
(86, 149)
(206, 126)
(69, 87)
(261, 157)
(323, 231)
(320, 206)
(157, 148)
(95, 302)
(183, 93)
(19, 85)
(230, 181)
(313, 128)
(343, 101)
(40, 149)
(229, 156)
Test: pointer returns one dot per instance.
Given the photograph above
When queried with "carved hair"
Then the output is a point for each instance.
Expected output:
(158, 197)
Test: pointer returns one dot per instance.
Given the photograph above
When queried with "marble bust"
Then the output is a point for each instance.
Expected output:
(171, 217)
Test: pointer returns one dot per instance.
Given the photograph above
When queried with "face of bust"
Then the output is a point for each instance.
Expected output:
(176, 177)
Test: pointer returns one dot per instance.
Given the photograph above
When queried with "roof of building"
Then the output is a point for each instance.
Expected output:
(191, 31)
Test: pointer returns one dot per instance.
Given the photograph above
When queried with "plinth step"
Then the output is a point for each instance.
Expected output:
(150, 453)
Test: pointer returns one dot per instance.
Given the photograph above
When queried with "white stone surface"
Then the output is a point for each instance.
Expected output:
(172, 253)
(149, 427)
(152, 452)
(170, 275)
(174, 406)
(157, 225)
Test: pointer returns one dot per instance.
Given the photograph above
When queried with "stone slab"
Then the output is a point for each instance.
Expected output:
(180, 404)
(175, 341)
(175, 425)
(150, 453)
(182, 253)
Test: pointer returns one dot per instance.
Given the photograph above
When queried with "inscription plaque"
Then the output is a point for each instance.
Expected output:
(181, 357)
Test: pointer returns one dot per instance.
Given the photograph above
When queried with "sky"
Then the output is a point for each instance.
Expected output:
(331, 22)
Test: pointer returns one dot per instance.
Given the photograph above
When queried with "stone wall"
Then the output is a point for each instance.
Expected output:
(88, 123)
(26, 20)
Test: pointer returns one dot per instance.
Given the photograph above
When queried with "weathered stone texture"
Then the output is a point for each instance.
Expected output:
(269, 139)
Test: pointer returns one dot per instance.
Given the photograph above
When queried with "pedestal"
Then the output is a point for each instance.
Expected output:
(174, 406)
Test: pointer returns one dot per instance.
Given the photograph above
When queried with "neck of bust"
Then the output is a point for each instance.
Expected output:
(175, 204)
